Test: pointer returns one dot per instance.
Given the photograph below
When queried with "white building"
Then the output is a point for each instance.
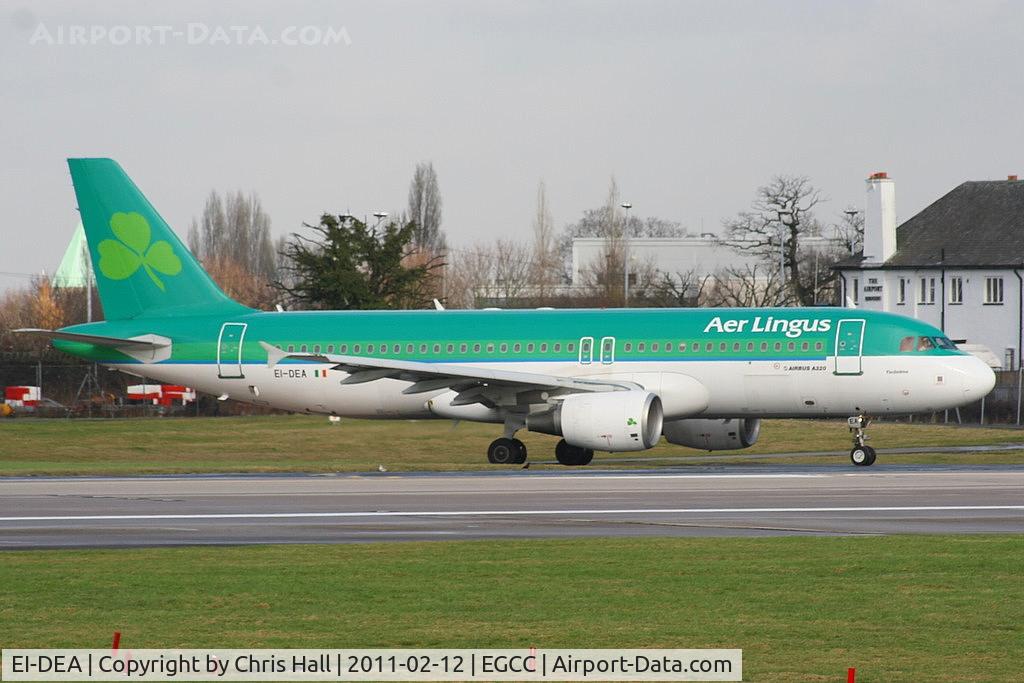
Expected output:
(958, 264)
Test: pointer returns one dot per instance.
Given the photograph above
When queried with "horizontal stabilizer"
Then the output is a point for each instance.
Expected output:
(150, 341)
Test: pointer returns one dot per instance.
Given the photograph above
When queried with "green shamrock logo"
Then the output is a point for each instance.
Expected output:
(120, 258)
(630, 422)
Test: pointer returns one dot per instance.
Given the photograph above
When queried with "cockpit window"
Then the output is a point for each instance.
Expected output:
(911, 344)
(907, 344)
(925, 344)
(944, 343)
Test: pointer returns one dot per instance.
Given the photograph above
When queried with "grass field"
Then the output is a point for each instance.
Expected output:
(923, 608)
(302, 443)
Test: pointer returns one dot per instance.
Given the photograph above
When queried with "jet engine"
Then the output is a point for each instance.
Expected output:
(607, 421)
(714, 435)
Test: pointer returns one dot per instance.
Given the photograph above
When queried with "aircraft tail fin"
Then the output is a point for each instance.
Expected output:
(142, 268)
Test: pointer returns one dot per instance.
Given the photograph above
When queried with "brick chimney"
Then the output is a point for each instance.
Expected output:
(880, 219)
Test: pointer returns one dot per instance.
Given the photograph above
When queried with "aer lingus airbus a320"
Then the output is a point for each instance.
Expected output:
(603, 380)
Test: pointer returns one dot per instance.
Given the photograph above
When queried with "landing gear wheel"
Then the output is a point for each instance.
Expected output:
(573, 455)
(862, 456)
(506, 452)
(521, 454)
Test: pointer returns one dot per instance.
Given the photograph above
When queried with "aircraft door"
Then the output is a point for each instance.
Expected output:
(607, 350)
(229, 350)
(849, 347)
(586, 350)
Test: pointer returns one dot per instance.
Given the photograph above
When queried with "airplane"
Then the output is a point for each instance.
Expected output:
(603, 380)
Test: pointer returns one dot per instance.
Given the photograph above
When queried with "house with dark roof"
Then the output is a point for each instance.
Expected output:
(958, 264)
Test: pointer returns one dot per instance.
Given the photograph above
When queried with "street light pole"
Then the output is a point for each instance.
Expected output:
(625, 258)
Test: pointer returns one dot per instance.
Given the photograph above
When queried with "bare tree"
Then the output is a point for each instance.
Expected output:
(681, 289)
(849, 230)
(232, 239)
(545, 265)
(749, 286)
(781, 215)
(425, 209)
(490, 274)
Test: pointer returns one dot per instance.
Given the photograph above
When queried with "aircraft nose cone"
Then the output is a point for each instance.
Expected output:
(978, 379)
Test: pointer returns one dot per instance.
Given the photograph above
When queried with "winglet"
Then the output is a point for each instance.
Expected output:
(274, 354)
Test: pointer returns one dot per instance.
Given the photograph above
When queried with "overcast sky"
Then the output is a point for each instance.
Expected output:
(691, 105)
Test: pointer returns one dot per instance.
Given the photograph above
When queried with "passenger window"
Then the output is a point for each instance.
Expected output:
(409, 348)
(668, 347)
(570, 347)
(529, 348)
(316, 348)
(369, 348)
(437, 348)
(791, 346)
(723, 346)
(805, 346)
(291, 348)
(476, 348)
(736, 346)
(925, 344)
(654, 346)
(558, 347)
(750, 346)
(302, 348)
(778, 346)
(504, 348)
(490, 348)
(543, 348)
(818, 346)
(682, 346)
(517, 348)
(906, 344)
(451, 348)
(641, 347)
(764, 346)
(330, 348)
(463, 348)
(627, 346)
(423, 348)
(397, 348)
(696, 347)
(343, 348)
(356, 348)
(709, 347)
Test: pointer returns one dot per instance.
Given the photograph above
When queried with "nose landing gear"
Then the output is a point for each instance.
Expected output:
(862, 455)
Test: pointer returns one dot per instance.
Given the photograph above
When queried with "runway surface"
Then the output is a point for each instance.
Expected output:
(40, 512)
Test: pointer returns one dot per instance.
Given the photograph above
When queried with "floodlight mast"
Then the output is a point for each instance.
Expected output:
(625, 256)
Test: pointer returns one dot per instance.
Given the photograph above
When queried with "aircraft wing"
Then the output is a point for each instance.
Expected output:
(475, 384)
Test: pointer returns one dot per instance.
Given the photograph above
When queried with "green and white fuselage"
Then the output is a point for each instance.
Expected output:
(613, 380)
(848, 364)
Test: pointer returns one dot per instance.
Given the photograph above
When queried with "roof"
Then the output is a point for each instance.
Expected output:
(976, 224)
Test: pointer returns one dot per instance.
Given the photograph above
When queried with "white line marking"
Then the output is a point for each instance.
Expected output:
(501, 513)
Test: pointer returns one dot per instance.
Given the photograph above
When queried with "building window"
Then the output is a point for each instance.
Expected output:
(994, 290)
(927, 293)
(903, 292)
(856, 291)
(956, 290)
(1008, 360)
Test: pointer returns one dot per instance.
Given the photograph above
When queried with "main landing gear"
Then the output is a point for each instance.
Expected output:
(573, 455)
(862, 455)
(505, 451)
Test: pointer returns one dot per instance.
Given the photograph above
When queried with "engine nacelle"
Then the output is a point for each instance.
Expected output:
(714, 435)
(607, 421)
